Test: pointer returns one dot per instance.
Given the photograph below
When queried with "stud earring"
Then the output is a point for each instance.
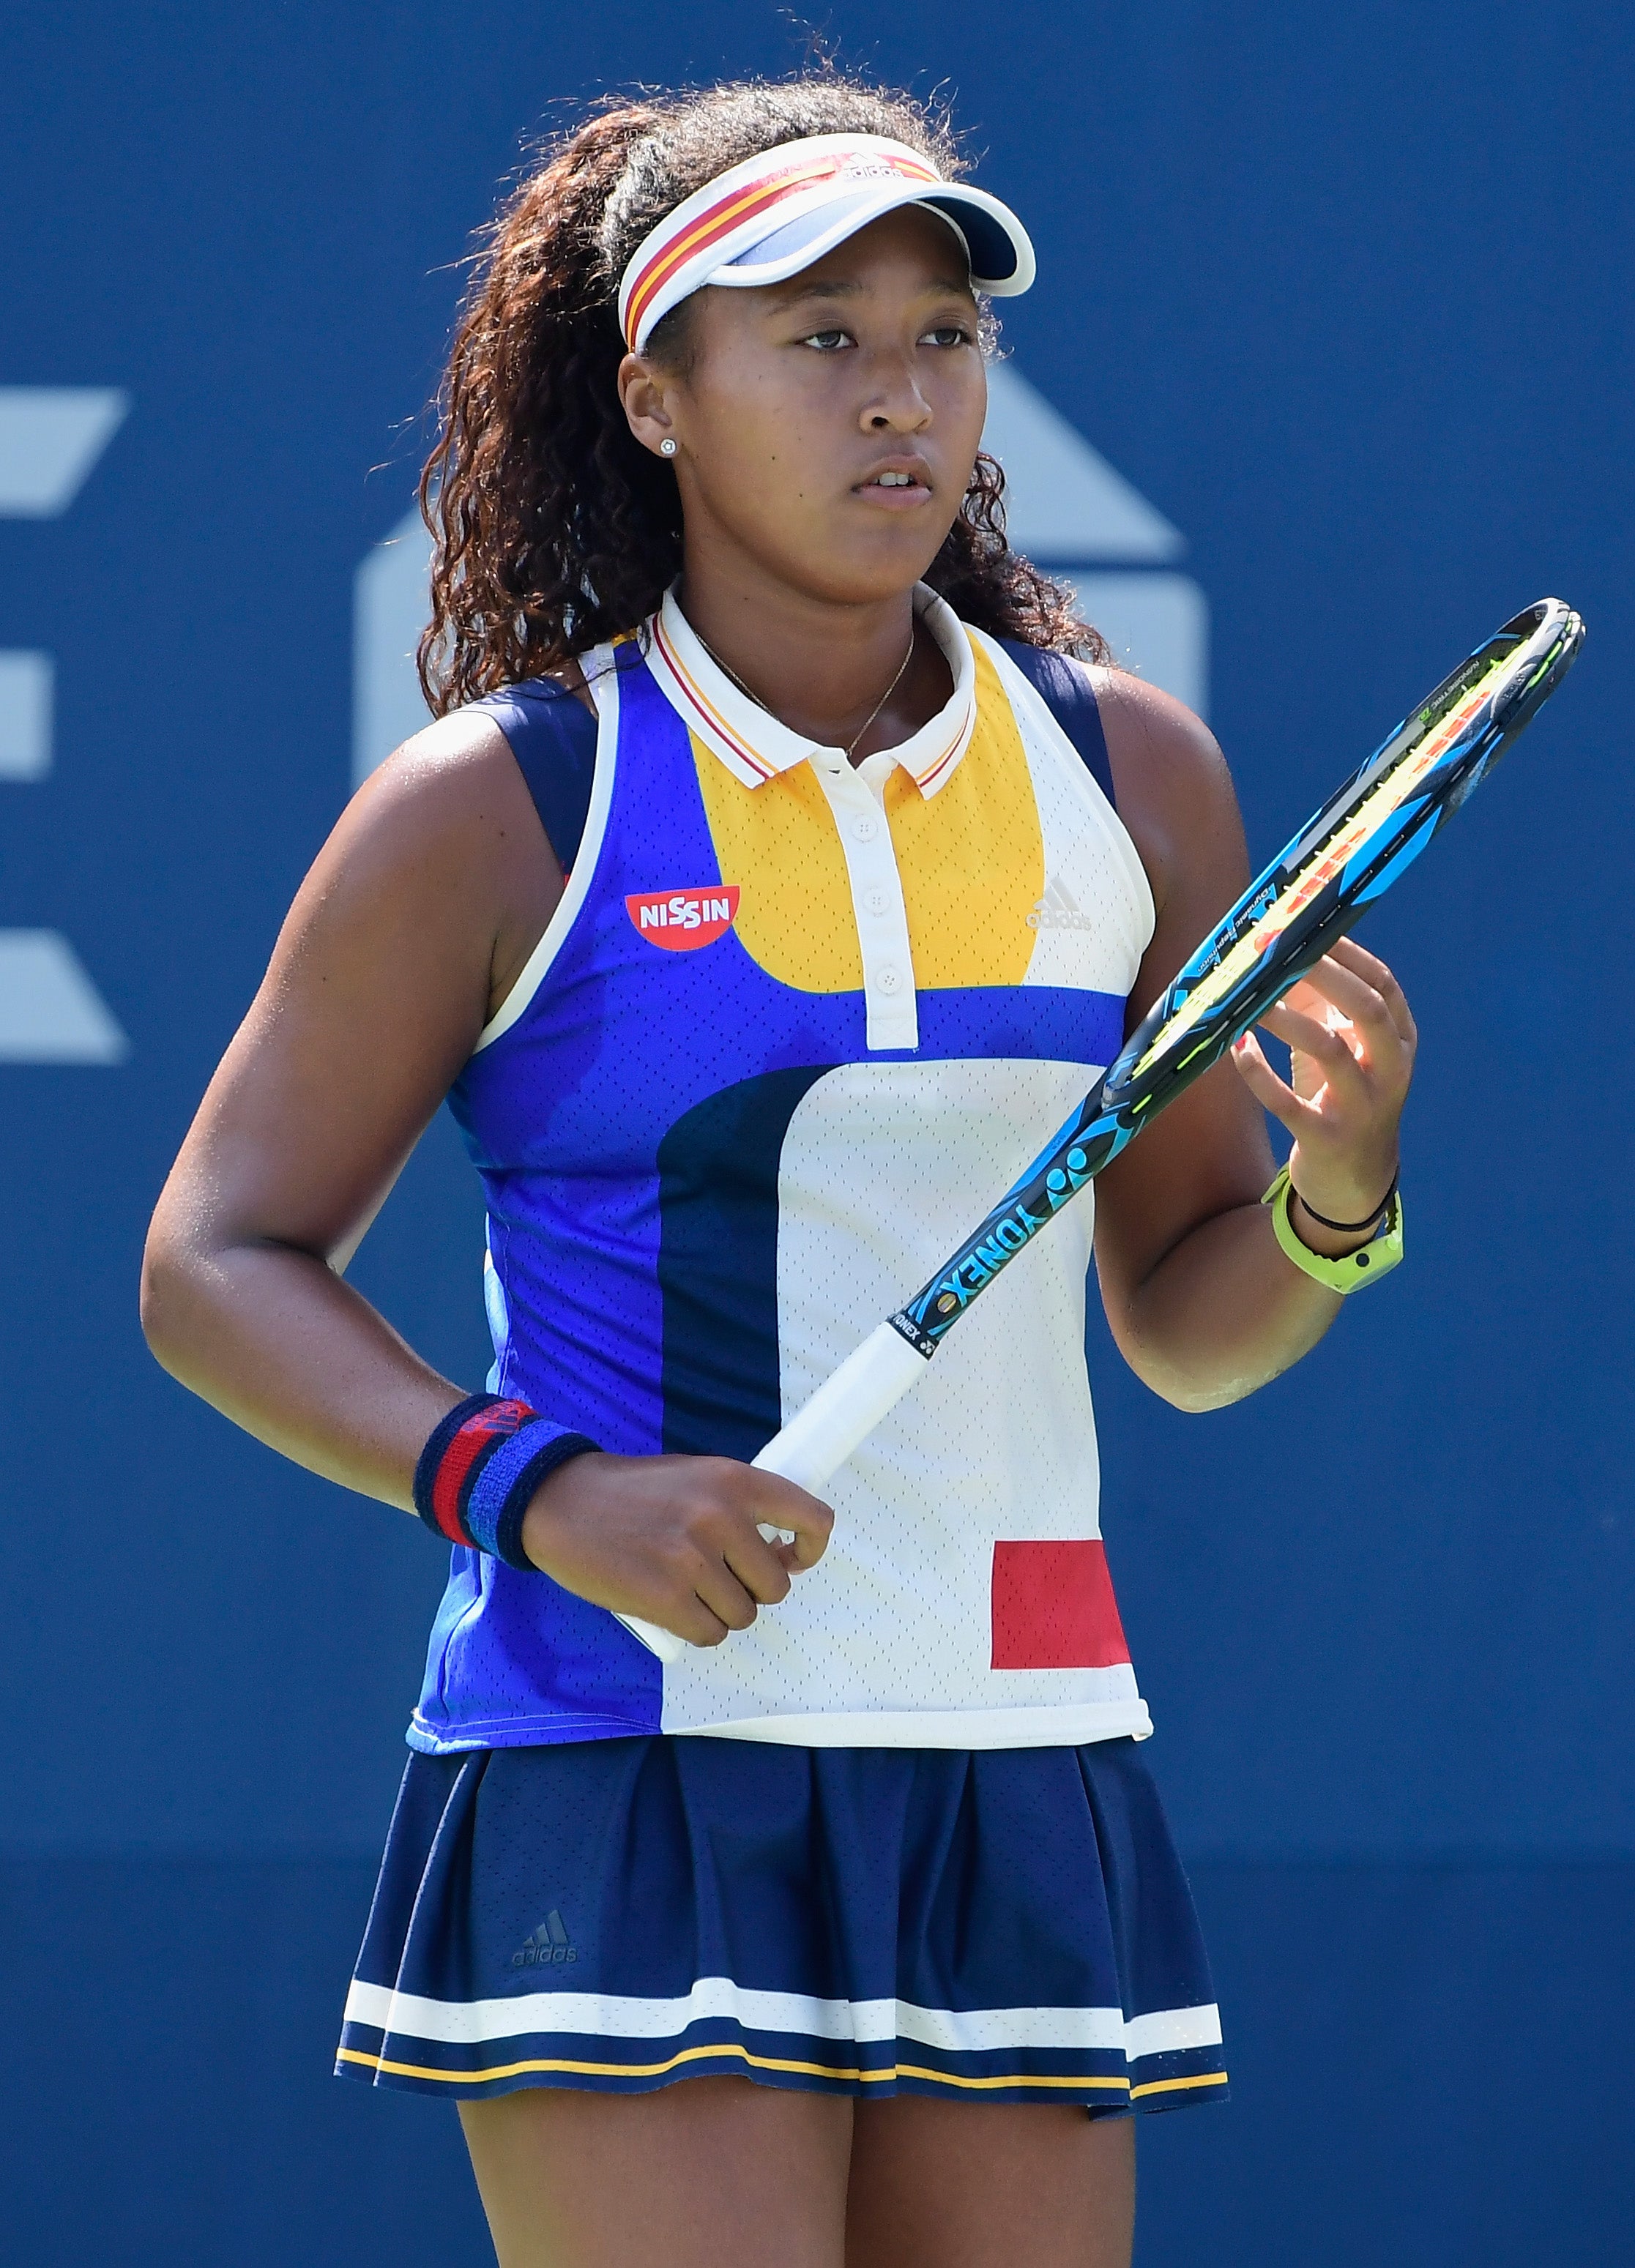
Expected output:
(666, 447)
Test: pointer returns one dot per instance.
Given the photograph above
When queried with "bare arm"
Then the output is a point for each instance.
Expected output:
(1202, 1304)
(417, 918)
(380, 982)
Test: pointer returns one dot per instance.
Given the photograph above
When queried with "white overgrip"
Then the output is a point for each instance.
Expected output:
(664, 1643)
(822, 1435)
(844, 1411)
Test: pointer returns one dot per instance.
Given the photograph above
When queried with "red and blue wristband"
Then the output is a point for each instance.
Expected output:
(479, 1472)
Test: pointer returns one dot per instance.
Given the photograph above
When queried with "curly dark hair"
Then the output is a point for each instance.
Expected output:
(554, 529)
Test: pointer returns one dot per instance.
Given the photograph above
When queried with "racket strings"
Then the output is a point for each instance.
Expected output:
(1330, 859)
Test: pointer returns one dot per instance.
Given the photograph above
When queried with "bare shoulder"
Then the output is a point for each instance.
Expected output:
(439, 858)
(449, 791)
(454, 781)
(1174, 792)
(1151, 734)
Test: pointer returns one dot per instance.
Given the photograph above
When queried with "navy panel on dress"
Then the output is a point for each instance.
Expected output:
(552, 736)
(717, 1264)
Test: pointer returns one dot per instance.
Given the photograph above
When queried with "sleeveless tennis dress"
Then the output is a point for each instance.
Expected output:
(792, 1026)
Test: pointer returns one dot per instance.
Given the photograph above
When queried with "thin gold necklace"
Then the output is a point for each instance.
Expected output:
(749, 692)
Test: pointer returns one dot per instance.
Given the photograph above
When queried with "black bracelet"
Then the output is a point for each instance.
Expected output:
(1354, 1227)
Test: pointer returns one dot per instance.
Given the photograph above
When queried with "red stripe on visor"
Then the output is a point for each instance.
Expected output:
(729, 215)
(702, 233)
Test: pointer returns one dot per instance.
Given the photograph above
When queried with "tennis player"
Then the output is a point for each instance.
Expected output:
(784, 862)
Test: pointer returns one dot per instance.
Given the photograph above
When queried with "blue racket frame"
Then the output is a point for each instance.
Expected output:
(1537, 646)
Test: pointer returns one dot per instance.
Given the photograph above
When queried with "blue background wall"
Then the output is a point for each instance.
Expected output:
(1344, 292)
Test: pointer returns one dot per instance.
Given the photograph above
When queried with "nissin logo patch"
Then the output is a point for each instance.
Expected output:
(682, 920)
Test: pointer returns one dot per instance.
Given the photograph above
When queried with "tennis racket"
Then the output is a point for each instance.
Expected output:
(1347, 855)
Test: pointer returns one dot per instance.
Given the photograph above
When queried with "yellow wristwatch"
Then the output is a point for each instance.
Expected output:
(1366, 1265)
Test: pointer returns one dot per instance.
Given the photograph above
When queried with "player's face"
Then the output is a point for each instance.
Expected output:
(827, 426)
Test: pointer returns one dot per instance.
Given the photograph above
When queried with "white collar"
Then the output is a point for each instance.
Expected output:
(755, 747)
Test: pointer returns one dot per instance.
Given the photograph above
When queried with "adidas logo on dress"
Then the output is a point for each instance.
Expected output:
(547, 1944)
(1056, 911)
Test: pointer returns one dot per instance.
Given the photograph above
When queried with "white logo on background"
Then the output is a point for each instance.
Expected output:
(1069, 511)
(50, 437)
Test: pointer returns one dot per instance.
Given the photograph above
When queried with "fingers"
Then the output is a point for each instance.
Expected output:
(1374, 972)
(735, 1569)
(698, 1624)
(1352, 1042)
(783, 1504)
(1361, 984)
(1344, 1006)
(712, 1595)
(674, 1539)
(717, 1588)
(1323, 1034)
(1273, 1094)
(1330, 988)
(1347, 1030)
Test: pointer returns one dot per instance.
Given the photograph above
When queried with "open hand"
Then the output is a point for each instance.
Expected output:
(1352, 1042)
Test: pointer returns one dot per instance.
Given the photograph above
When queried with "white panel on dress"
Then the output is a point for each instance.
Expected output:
(1095, 919)
(884, 1168)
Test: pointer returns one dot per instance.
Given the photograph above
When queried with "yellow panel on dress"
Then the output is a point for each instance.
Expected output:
(972, 857)
(971, 860)
(778, 843)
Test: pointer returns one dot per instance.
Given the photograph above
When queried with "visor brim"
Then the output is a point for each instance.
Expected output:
(998, 249)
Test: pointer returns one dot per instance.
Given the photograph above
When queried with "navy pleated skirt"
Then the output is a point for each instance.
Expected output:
(622, 1914)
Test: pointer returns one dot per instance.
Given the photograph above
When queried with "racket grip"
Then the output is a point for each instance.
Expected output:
(664, 1643)
(822, 1435)
(844, 1411)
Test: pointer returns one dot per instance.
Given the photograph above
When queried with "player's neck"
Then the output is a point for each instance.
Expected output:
(819, 664)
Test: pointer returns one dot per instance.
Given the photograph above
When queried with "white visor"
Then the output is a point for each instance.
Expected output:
(765, 220)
